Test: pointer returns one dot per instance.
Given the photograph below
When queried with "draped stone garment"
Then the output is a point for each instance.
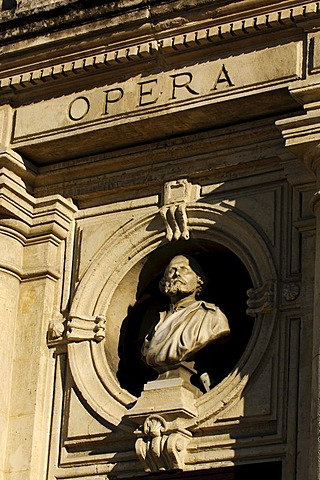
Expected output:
(180, 334)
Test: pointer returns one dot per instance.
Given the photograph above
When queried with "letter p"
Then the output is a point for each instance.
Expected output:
(112, 96)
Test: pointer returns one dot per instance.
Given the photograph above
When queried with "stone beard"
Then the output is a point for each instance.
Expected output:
(190, 324)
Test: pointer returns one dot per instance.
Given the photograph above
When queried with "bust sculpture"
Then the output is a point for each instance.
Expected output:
(190, 324)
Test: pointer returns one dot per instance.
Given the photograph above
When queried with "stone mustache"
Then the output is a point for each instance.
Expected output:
(189, 325)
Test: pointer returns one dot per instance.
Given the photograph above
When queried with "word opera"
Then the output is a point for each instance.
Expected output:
(139, 92)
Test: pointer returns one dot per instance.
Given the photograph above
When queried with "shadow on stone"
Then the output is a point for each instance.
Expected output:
(9, 5)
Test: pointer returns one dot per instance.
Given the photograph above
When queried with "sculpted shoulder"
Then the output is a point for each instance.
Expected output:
(209, 306)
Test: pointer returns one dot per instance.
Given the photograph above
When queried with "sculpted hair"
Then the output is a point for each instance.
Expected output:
(196, 267)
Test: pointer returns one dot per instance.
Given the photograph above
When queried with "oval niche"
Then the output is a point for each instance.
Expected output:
(227, 285)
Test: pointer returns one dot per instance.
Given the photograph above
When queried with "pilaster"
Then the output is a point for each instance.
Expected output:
(302, 137)
(40, 293)
(11, 244)
(12, 238)
(33, 234)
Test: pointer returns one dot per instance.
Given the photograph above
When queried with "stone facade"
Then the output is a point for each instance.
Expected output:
(132, 132)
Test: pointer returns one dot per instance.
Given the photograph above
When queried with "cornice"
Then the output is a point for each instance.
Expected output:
(36, 217)
(110, 58)
(302, 132)
(27, 22)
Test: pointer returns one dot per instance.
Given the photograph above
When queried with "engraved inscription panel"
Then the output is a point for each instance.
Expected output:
(174, 89)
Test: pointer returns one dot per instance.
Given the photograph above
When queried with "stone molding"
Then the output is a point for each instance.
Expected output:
(53, 214)
(216, 145)
(14, 199)
(302, 137)
(302, 133)
(211, 35)
(33, 222)
(37, 216)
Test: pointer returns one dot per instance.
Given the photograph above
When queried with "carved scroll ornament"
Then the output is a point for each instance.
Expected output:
(56, 332)
(76, 329)
(160, 448)
(261, 299)
(176, 221)
(89, 328)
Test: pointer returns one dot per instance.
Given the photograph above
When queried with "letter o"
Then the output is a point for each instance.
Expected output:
(79, 108)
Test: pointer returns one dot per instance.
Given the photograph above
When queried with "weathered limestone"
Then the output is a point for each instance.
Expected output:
(132, 133)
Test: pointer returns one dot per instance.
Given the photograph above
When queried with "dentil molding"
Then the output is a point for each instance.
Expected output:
(109, 59)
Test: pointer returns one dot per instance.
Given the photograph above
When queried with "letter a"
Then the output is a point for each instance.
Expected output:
(223, 80)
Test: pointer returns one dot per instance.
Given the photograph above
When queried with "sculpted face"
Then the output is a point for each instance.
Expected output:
(179, 278)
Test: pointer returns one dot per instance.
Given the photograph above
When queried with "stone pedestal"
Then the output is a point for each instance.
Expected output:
(161, 415)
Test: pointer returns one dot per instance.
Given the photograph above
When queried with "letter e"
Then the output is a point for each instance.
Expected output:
(147, 93)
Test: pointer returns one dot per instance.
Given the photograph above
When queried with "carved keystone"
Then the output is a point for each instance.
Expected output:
(176, 195)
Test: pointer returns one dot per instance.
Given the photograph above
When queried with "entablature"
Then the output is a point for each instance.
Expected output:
(75, 54)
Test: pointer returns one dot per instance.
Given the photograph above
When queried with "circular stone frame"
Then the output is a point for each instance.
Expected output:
(105, 282)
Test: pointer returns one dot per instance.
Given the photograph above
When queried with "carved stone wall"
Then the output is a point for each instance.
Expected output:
(132, 132)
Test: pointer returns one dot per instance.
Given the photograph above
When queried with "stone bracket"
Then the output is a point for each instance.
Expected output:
(76, 329)
(162, 415)
(261, 299)
(86, 328)
(176, 221)
(160, 448)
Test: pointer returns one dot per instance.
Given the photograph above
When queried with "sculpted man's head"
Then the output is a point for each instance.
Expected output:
(189, 325)
(182, 278)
